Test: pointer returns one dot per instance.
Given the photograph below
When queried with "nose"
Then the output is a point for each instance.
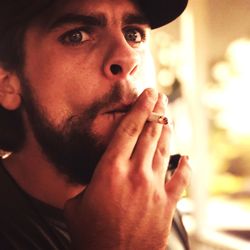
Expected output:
(121, 60)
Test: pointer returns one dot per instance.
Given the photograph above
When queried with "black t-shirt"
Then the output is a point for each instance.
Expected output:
(26, 223)
(29, 224)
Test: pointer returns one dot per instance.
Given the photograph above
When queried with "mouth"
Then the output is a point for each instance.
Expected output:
(119, 110)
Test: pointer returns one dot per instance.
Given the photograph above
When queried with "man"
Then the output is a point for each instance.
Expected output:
(87, 170)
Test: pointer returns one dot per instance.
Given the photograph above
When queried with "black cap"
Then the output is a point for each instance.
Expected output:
(158, 12)
(161, 12)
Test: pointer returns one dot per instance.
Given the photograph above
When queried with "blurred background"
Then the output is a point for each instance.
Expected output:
(203, 65)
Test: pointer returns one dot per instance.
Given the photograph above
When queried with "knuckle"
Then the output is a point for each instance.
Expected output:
(150, 97)
(131, 129)
(158, 197)
(118, 173)
(112, 168)
(145, 107)
(116, 168)
(152, 131)
(141, 179)
(162, 151)
(151, 94)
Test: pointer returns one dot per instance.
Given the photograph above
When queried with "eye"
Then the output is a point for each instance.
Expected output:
(74, 37)
(134, 35)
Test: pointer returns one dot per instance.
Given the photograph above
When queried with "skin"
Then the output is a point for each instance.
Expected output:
(127, 201)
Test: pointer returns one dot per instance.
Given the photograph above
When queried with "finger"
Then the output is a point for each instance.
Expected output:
(162, 152)
(131, 126)
(148, 139)
(179, 181)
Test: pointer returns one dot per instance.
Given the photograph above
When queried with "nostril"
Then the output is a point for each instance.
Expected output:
(115, 69)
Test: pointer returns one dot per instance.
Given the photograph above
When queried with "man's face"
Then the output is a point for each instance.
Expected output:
(84, 69)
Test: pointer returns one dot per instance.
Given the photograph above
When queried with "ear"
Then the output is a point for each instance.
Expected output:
(10, 97)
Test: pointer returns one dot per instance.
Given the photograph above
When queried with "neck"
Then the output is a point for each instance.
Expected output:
(39, 178)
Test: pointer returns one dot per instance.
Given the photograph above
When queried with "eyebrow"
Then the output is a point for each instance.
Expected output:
(95, 20)
(135, 19)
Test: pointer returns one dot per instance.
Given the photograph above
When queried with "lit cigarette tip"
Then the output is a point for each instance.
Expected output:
(163, 120)
(155, 117)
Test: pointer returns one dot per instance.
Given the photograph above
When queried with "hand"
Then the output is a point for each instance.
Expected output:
(128, 204)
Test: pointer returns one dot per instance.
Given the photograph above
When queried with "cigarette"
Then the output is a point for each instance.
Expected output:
(159, 118)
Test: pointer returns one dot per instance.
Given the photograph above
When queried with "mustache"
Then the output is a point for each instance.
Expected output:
(118, 94)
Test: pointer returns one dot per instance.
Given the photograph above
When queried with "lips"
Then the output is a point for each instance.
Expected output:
(122, 108)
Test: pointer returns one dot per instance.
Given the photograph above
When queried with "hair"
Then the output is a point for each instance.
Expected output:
(15, 17)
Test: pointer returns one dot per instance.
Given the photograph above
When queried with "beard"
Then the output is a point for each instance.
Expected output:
(72, 148)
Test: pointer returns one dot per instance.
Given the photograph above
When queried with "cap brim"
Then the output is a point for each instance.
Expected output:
(161, 12)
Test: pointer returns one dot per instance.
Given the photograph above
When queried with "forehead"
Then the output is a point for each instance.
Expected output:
(114, 10)
(96, 4)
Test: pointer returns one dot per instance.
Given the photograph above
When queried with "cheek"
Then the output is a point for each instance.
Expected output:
(60, 83)
(65, 92)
